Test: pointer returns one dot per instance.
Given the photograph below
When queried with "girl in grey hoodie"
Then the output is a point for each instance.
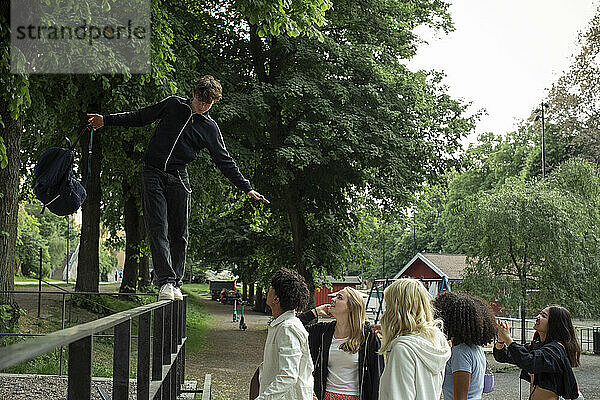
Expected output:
(416, 350)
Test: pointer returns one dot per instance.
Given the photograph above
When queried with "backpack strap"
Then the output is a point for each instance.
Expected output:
(85, 128)
(89, 166)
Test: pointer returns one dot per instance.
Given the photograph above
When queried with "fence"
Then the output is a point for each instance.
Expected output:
(66, 314)
(160, 358)
(585, 334)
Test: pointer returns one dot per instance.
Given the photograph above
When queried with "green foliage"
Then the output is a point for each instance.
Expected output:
(333, 120)
(9, 315)
(3, 156)
(533, 242)
(108, 260)
(574, 97)
(29, 243)
(275, 17)
(47, 231)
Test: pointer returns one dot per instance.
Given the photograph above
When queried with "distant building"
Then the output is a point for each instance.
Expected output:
(322, 295)
(433, 267)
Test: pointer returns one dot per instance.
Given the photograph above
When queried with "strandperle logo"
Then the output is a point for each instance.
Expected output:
(80, 36)
(82, 31)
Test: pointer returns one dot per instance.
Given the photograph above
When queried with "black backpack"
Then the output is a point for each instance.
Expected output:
(55, 183)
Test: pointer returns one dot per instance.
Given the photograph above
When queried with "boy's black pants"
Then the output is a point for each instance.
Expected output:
(166, 200)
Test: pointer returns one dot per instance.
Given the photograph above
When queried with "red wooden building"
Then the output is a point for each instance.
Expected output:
(432, 267)
(334, 285)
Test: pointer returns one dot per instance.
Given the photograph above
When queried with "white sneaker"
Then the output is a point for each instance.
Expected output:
(177, 295)
(166, 292)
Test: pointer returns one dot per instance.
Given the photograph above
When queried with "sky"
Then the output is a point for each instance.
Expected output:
(504, 55)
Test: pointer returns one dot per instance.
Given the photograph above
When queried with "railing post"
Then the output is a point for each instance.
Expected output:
(122, 347)
(183, 335)
(168, 332)
(80, 369)
(157, 349)
(40, 286)
(167, 343)
(166, 387)
(62, 322)
(175, 327)
(174, 378)
(143, 367)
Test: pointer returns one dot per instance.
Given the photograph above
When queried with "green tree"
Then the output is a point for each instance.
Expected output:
(574, 97)
(13, 101)
(536, 237)
(29, 243)
(334, 119)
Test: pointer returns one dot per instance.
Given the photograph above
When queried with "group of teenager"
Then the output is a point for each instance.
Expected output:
(421, 349)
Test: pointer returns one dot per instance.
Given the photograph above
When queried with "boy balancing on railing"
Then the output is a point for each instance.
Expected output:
(286, 371)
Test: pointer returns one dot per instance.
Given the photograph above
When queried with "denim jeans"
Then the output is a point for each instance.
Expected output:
(166, 200)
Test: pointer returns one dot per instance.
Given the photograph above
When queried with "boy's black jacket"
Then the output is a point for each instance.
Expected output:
(179, 136)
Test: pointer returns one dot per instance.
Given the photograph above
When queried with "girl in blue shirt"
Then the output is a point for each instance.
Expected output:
(469, 324)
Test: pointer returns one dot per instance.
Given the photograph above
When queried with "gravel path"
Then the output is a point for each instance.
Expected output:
(44, 387)
(231, 355)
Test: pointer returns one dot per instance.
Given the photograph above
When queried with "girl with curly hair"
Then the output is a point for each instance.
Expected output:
(469, 324)
(416, 349)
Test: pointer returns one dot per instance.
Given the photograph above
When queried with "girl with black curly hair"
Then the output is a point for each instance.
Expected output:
(469, 324)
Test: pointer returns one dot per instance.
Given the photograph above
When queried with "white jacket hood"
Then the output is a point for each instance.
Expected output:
(433, 355)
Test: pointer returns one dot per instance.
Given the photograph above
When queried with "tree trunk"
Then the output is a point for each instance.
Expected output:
(244, 291)
(251, 294)
(259, 305)
(132, 240)
(144, 267)
(88, 262)
(298, 228)
(9, 201)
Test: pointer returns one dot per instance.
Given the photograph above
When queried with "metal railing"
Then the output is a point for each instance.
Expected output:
(164, 350)
(65, 318)
(585, 334)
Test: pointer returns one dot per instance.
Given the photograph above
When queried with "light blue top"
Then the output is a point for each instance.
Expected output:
(468, 359)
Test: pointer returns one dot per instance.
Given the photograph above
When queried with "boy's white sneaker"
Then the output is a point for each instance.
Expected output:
(166, 292)
(177, 295)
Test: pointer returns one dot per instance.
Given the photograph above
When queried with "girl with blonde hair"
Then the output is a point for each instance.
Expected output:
(344, 351)
(416, 349)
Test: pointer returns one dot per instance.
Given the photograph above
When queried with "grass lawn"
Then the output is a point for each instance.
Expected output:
(28, 281)
(197, 318)
(195, 288)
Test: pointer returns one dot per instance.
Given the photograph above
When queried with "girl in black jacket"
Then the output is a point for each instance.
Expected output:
(547, 362)
(344, 351)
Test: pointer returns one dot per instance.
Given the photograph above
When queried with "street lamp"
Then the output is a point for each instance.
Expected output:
(541, 110)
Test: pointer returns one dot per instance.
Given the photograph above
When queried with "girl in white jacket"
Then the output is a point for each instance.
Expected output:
(416, 349)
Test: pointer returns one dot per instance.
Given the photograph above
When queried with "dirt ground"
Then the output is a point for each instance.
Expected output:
(231, 356)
